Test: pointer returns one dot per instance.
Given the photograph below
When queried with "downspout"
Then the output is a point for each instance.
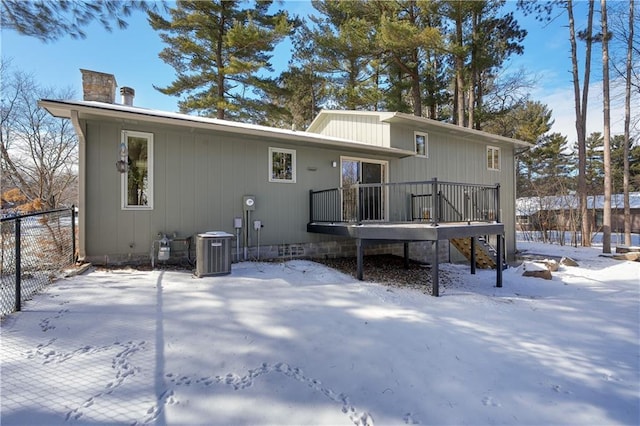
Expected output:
(82, 174)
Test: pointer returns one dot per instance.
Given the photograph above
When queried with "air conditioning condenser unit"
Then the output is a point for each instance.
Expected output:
(213, 253)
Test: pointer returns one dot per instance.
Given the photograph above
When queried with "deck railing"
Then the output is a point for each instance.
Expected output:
(431, 201)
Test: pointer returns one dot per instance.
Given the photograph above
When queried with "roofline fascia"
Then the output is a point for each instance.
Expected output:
(227, 127)
(390, 116)
(457, 129)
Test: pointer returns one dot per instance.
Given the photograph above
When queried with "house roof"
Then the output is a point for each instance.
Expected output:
(422, 123)
(88, 109)
(527, 206)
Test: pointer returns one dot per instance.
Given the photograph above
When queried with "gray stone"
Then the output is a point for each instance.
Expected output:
(567, 261)
(545, 274)
(551, 265)
(632, 255)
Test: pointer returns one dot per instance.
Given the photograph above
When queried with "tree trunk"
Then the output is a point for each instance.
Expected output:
(459, 70)
(606, 216)
(416, 92)
(433, 108)
(474, 69)
(627, 122)
(581, 112)
(220, 109)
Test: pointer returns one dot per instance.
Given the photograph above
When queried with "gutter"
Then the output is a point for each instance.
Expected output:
(62, 109)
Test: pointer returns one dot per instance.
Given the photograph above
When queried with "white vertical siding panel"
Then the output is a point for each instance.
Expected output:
(187, 182)
(357, 127)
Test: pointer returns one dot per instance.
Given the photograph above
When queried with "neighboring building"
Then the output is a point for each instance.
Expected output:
(146, 173)
(561, 212)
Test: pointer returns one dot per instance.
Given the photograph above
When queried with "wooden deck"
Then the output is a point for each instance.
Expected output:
(376, 232)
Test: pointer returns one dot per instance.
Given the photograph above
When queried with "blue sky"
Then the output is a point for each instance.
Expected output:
(132, 56)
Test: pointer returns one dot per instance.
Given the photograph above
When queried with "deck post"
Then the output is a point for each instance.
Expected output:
(360, 257)
(435, 285)
(499, 261)
(435, 202)
(473, 255)
(497, 215)
(406, 255)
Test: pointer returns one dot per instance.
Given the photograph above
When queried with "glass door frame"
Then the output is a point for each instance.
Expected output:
(384, 189)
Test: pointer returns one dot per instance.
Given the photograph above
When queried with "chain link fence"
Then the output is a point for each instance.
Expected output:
(35, 249)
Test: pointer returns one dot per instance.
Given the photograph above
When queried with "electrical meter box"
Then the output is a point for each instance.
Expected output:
(249, 202)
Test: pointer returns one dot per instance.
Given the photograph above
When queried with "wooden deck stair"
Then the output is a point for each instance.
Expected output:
(485, 253)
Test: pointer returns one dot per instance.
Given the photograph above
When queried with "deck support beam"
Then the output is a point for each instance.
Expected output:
(384, 233)
(360, 259)
(499, 241)
(473, 255)
(435, 269)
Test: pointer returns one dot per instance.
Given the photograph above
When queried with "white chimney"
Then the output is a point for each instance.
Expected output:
(127, 94)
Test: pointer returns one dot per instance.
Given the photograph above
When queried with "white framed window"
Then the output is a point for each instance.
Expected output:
(493, 158)
(136, 149)
(282, 165)
(421, 143)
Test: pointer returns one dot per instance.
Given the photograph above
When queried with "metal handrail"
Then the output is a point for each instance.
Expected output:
(402, 202)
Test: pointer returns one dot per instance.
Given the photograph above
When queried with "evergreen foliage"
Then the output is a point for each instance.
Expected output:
(219, 51)
(49, 20)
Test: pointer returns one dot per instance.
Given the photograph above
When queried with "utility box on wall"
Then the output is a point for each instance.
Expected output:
(213, 253)
(249, 202)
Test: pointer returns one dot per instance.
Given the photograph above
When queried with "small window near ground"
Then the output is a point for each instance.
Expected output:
(493, 158)
(282, 165)
(137, 180)
(422, 143)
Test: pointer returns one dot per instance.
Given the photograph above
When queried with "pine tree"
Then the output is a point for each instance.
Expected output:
(480, 41)
(404, 37)
(594, 171)
(553, 166)
(618, 168)
(49, 20)
(219, 51)
(344, 52)
(528, 122)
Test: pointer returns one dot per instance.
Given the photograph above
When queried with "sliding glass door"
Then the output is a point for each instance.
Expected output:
(363, 198)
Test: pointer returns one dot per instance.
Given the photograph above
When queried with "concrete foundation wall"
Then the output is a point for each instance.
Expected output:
(182, 252)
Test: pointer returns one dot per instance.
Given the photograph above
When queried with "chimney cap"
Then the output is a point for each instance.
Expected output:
(104, 74)
(127, 95)
(127, 91)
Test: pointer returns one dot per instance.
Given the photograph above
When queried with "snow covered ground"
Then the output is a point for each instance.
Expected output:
(299, 343)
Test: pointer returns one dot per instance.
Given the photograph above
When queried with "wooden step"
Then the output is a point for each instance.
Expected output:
(484, 260)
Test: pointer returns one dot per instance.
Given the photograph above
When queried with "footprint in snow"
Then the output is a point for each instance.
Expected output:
(409, 420)
(490, 402)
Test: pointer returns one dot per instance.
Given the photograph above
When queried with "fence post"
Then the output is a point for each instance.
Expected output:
(311, 206)
(18, 267)
(73, 234)
(435, 202)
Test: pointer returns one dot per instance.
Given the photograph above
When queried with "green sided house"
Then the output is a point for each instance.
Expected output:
(355, 182)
